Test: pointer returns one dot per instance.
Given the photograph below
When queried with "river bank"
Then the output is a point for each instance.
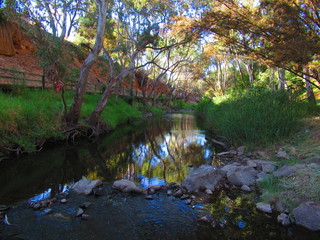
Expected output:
(29, 119)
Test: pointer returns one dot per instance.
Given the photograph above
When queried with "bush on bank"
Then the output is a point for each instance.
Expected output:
(255, 117)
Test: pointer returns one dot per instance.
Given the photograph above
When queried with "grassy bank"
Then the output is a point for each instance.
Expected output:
(31, 117)
(255, 118)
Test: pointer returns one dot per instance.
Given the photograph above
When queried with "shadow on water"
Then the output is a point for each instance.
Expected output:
(154, 152)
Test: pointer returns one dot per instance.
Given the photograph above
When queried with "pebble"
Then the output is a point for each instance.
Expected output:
(79, 212)
(208, 191)
(169, 192)
(149, 197)
(246, 188)
(63, 200)
(188, 201)
(204, 219)
(47, 211)
(185, 196)
(151, 191)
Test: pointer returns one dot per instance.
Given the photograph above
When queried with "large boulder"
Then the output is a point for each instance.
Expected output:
(85, 186)
(308, 215)
(242, 175)
(204, 176)
(126, 186)
(287, 171)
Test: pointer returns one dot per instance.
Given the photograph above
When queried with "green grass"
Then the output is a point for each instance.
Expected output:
(302, 187)
(255, 118)
(29, 117)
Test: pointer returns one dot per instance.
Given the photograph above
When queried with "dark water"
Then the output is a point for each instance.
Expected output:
(155, 152)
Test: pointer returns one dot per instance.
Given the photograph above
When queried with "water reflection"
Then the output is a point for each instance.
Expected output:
(157, 151)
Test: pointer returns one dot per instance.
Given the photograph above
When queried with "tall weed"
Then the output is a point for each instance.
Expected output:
(254, 118)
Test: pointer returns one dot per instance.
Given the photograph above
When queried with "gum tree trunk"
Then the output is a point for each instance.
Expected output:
(74, 114)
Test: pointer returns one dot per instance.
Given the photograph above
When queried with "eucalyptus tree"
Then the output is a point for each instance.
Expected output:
(283, 33)
(74, 113)
(137, 30)
(59, 17)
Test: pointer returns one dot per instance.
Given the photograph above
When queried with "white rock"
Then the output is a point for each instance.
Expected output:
(126, 186)
(85, 186)
(264, 207)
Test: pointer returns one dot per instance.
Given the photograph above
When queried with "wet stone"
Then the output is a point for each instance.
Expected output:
(185, 196)
(149, 197)
(85, 186)
(169, 192)
(155, 187)
(204, 219)
(151, 191)
(188, 201)
(178, 193)
(36, 206)
(47, 211)
(209, 192)
(79, 212)
(63, 201)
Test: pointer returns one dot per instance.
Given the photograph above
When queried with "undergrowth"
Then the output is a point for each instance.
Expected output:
(255, 118)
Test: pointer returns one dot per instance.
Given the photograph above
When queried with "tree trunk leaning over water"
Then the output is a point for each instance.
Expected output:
(74, 114)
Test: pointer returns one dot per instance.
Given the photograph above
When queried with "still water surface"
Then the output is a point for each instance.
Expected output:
(155, 152)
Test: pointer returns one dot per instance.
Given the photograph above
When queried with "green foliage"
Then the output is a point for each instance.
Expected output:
(179, 104)
(302, 187)
(28, 119)
(3, 18)
(255, 117)
(117, 111)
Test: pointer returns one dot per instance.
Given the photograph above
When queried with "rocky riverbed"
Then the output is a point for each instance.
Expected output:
(92, 209)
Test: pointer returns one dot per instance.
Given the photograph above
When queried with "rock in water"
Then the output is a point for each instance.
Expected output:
(264, 207)
(126, 186)
(79, 212)
(308, 215)
(85, 186)
(206, 176)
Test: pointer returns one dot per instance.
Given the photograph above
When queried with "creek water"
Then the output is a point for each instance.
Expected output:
(156, 151)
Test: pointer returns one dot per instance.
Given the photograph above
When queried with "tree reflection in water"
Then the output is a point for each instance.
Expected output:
(156, 151)
(160, 152)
